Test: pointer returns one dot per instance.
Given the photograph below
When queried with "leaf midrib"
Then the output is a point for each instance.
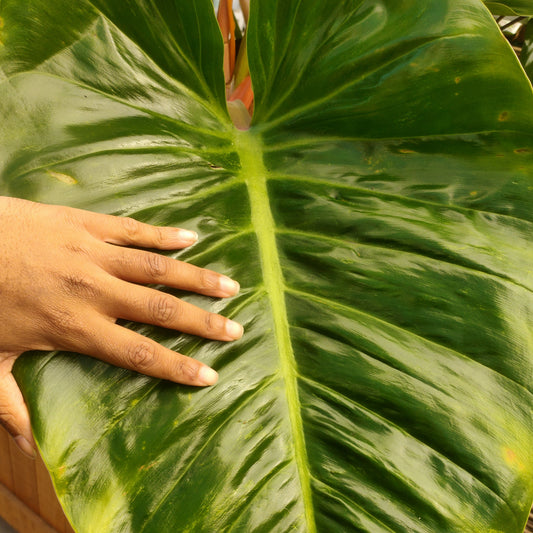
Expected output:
(254, 173)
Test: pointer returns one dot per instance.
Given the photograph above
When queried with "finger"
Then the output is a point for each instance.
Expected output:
(146, 267)
(127, 349)
(149, 306)
(14, 414)
(128, 231)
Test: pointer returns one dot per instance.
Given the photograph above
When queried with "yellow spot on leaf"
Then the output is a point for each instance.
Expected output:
(406, 151)
(504, 115)
(65, 178)
(60, 471)
(457, 79)
(473, 193)
(148, 466)
(510, 456)
(512, 459)
(522, 151)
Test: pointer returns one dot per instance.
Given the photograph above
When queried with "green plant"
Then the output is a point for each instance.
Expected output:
(378, 214)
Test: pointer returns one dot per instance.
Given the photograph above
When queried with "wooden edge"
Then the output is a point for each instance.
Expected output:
(19, 515)
(529, 525)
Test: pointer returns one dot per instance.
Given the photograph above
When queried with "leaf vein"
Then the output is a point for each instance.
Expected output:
(354, 311)
(402, 430)
(367, 192)
(343, 498)
(440, 259)
(192, 460)
(321, 102)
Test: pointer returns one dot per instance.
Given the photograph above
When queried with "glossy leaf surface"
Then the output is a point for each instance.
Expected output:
(378, 215)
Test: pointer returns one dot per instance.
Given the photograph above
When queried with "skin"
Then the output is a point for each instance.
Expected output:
(67, 275)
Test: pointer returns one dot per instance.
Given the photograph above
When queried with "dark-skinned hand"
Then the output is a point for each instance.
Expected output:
(67, 275)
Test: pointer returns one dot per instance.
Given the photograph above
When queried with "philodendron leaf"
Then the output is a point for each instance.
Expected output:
(378, 214)
(510, 7)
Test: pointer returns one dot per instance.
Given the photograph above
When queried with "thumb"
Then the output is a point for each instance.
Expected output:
(14, 414)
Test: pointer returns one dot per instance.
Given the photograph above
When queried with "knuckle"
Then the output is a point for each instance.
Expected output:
(159, 237)
(8, 420)
(76, 248)
(141, 356)
(180, 367)
(208, 280)
(63, 329)
(185, 370)
(70, 216)
(214, 324)
(59, 321)
(162, 309)
(131, 227)
(156, 266)
(80, 285)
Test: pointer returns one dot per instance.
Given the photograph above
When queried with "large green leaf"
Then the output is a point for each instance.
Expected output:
(378, 215)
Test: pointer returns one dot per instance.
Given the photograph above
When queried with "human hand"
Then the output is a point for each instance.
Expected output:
(64, 283)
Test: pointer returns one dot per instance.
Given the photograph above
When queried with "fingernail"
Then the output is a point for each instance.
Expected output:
(24, 446)
(187, 236)
(228, 285)
(234, 329)
(207, 376)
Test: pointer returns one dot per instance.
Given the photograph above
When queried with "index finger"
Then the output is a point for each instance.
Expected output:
(127, 231)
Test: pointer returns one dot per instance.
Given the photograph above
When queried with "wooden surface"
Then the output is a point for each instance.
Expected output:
(19, 515)
(529, 527)
(27, 498)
